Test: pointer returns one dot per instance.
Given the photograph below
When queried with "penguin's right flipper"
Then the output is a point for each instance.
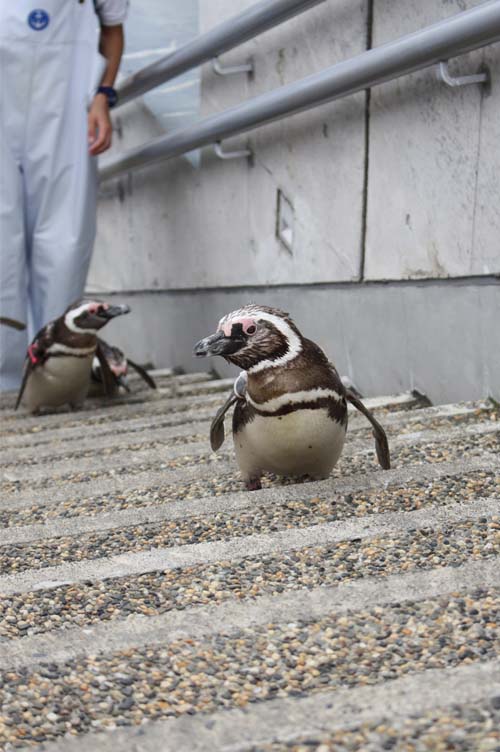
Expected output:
(381, 443)
(28, 368)
(142, 373)
(13, 323)
(108, 380)
(36, 355)
(217, 426)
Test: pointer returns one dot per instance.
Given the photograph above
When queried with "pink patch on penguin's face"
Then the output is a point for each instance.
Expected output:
(96, 307)
(248, 325)
(119, 369)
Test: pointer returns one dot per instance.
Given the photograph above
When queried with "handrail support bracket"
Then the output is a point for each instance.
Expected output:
(235, 154)
(444, 75)
(231, 70)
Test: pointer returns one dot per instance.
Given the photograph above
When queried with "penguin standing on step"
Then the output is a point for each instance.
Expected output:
(290, 415)
(59, 360)
(119, 366)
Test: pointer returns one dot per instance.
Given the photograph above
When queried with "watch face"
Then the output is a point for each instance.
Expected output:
(110, 94)
(112, 97)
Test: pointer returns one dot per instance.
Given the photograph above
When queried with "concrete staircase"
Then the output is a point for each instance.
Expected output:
(148, 603)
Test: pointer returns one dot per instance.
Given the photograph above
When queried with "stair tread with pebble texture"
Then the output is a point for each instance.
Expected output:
(149, 603)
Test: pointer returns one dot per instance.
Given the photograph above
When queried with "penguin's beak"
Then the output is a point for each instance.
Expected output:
(212, 345)
(217, 344)
(112, 311)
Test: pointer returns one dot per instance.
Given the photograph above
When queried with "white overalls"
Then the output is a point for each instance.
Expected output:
(49, 70)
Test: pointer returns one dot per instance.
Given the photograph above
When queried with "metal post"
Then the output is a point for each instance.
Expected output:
(231, 33)
(466, 31)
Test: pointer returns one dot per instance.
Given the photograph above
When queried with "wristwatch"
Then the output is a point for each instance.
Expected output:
(110, 94)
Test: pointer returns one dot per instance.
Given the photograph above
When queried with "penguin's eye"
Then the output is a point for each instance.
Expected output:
(251, 329)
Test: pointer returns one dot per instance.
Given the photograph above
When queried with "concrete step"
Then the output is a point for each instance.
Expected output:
(371, 716)
(140, 557)
(137, 631)
(254, 665)
(152, 403)
(407, 488)
(141, 434)
(139, 582)
(432, 446)
(165, 378)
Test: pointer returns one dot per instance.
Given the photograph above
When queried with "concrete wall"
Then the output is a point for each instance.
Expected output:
(399, 186)
(432, 150)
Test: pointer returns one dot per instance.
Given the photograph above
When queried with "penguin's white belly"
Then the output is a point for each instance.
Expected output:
(304, 442)
(59, 381)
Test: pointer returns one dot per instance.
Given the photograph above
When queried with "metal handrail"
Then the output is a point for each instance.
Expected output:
(231, 33)
(454, 36)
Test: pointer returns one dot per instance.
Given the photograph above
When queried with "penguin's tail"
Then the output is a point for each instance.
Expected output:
(381, 443)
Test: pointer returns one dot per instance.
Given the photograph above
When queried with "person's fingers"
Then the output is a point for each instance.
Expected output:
(91, 128)
(103, 138)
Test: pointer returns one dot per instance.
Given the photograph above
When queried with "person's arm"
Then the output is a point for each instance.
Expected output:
(99, 122)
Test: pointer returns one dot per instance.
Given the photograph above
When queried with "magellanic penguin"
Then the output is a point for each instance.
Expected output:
(59, 360)
(118, 365)
(290, 415)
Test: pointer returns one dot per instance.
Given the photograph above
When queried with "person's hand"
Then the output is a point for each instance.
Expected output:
(100, 128)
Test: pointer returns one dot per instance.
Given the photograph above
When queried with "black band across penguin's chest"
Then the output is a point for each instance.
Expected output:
(245, 412)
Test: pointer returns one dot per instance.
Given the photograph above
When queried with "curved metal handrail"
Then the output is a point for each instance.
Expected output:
(231, 33)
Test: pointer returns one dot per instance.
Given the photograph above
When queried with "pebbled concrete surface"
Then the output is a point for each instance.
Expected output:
(165, 594)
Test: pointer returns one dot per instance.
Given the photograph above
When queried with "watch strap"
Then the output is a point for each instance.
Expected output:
(110, 93)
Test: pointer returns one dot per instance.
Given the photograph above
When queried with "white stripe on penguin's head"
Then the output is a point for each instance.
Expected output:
(280, 322)
(74, 313)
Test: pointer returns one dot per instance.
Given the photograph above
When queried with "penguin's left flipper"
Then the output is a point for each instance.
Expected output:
(217, 426)
(13, 323)
(142, 373)
(381, 443)
(108, 380)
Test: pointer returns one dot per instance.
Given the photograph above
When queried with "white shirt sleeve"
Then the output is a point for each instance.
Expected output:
(111, 12)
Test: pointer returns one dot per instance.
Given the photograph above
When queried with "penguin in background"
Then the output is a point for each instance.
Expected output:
(58, 363)
(119, 367)
(290, 405)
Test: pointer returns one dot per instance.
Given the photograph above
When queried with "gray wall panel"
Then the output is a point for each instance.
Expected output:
(429, 162)
(442, 338)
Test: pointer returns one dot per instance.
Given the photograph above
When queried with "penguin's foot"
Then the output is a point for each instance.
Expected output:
(253, 484)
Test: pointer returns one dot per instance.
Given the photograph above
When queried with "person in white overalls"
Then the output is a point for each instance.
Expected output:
(52, 126)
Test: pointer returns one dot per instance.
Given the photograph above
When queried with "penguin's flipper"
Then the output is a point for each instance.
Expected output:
(381, 443)
(36, 355)
(28, 368)
(217, 426)
(142, 373)
(12, 323)
(107, 377)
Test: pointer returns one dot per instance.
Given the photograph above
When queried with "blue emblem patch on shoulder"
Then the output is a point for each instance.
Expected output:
(38, 19)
